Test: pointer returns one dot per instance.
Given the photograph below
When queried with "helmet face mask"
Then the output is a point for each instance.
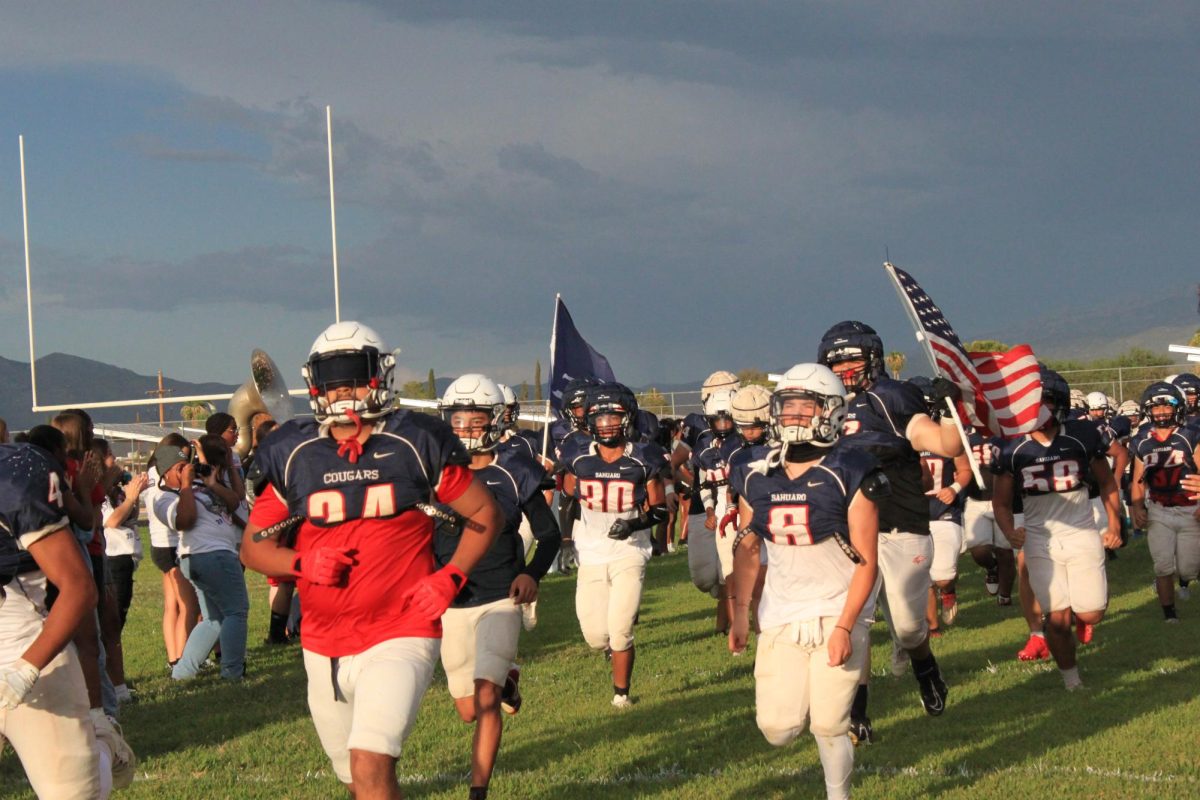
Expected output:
(1189, 384)
(512, 409)
(349, 354)
(718, 413)
(751, 411)
(1056, 395)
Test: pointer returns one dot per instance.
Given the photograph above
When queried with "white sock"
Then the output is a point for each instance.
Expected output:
(1039, 634)
(105, 770)
(1071, 678)
(837, 761)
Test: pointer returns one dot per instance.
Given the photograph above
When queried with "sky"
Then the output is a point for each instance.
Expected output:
(709, 185)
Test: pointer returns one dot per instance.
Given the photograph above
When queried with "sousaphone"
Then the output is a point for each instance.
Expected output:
(264, 393)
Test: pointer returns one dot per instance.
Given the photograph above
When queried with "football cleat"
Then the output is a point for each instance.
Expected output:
(1034, 650)
(1183, 593)
(1084, 632)
(861, 731)
(621, 701)
(510, 695)
(124, 762)
(529, 615)
(1003, 600)
(950, 607)
(991, 581)
(933, 690)
(1172, 620)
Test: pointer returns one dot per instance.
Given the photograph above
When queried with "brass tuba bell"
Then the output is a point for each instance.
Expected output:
(264, 393)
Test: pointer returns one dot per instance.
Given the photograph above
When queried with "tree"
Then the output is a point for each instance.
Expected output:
(432, 385)
(524, 396)
(895, 363)
(1195, 340)
(416, 390)
(537, 381)
(752, 375)
(194, 412)
(652, 400)
(986, 346)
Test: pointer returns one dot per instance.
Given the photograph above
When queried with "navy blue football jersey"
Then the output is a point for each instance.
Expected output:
(512, 478)
(618, 486)
(400, 466)
(571, 445)
(1122, 428)
(1060, 466)
(693, 426)
(812, 507)
(877, 421)
(559, 430)
(740, 462)
(711, 469)
(941, 475)
(31, 504)
(1165, 462)
(524, 441)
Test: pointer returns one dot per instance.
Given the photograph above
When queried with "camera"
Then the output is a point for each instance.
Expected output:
(201, 470)
(125, 479)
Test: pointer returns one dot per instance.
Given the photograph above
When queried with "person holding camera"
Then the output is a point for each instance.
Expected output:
(200, 507)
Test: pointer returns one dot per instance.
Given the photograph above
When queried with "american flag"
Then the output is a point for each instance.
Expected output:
(1002, 392)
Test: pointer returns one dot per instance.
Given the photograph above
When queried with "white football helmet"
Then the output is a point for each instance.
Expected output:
(1078, 399)
(719, 381)
(512, 409)
(751, 405)
(349, 353)
(1097, 401)
(718, 406)
(819, 383)
(475, 392)
(1130, 408)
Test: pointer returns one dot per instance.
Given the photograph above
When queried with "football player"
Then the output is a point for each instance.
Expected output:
(813, 509)
(1064, 552)
(481, 627)
(982, 537)
(44, 708)
(1190, 385)
(355, 477)
(569, 436)
(616, 481)
(752, 413)
(889, 420)
(710, 557)
(1164, 451)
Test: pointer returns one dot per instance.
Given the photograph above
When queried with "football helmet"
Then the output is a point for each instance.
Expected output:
(608, 399)
(1098, 401)
(512, 409)
(349, 354)
(1190, 384)
(718, 412)
(815, 382)
(719, 381)
(574, 395)
(475, 392)
(751, 408)
(1130, 408)
(1168, 395)
(853, 341)
(1079, 399)
(1056, 393)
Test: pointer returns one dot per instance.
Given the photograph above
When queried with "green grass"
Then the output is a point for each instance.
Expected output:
(1010, 730)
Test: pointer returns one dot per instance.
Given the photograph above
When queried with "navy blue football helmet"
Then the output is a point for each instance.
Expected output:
(1161, 393)
(853, 341)
(1056, 393)
(1190, 385)
(606, 399)
(574, 396)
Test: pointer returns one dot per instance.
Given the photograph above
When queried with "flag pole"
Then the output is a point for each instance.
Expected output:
(337, 289)
(28, 283)
(920, 333)
(550, 387)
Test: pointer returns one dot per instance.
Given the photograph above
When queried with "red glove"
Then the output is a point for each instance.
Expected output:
(730, 518)
(324, 566)
(433, 594)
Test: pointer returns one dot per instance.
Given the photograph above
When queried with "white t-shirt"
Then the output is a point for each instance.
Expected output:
(805, 582)
(122, 540)
(160, 534)
(214, 529)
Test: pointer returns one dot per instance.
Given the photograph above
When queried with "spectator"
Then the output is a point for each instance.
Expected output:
(123, 553)
(201, 510)
(181, 608)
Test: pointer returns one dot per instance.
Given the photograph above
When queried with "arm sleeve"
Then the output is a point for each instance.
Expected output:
(545, 532)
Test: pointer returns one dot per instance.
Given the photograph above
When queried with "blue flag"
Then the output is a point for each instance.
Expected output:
(571, 356)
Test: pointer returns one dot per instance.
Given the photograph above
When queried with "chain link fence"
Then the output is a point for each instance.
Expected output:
(1121, 383)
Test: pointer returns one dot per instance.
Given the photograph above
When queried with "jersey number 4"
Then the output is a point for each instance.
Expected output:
(789, 525)
(329, 505)
(608, 496)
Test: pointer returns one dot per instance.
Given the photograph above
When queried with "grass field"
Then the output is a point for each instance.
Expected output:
(1010, 730)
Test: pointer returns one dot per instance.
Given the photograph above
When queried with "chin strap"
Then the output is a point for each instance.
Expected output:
(352, 448)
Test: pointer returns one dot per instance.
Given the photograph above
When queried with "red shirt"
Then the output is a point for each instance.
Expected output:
(391, 555)
(95, 547)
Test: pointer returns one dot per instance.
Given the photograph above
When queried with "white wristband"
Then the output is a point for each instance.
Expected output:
(957, 487)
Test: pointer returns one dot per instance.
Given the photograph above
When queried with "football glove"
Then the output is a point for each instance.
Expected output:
(324, 566)
(433, 594)
(944, 389)
(620, 530)
(568, 556)
(727, 521)
(15, 682)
